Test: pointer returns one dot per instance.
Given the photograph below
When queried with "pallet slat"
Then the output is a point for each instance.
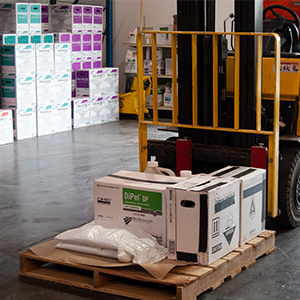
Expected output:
(181, 283)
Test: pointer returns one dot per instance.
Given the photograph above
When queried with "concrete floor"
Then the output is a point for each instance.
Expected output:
(46, 187)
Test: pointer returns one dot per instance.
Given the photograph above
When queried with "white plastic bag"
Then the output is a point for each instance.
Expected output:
(111, 235)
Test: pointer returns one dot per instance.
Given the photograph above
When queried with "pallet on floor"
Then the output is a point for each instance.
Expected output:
(181, 283)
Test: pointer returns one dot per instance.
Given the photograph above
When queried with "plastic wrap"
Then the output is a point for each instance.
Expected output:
(114, 236)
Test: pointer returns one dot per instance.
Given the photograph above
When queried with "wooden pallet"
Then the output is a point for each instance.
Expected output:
(181, 283)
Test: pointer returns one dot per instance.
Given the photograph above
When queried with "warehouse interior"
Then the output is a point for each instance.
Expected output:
(47, 185)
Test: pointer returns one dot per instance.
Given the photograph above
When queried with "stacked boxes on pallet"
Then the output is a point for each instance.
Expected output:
(42, 47)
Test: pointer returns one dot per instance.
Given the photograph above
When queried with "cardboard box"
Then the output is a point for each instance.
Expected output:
(76, 47)
(44, 89)
(97, 19)
(35, 38)
(62, 87)
(209, 212)
(163, 38)
(63, 116)
(35, 18)
(23, 39)
(6, 127)
(24, 121)
(86, 48)
(66, 18)
(86, 64)
(18, 59)
(148, 67)
(62, 57)
(19, 91)
(112, 108)
(45, 18)
(44, 59)
(48, 38)
(96, 64)
(97, 46)
(63, 37)
(135, 199)
(168, 99)
(97, 110)
(22, 18)
(87, 19)
(46, 122)
(7, 18)
(80, 112)
(253, 199)
(97, 83)
(9, 39)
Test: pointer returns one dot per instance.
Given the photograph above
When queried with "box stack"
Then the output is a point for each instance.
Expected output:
(6, 127)
(98, 88)
(41, 45)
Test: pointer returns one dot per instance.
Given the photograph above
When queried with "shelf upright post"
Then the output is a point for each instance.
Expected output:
(109, 33)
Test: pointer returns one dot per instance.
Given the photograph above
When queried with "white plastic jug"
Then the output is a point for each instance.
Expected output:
(153, 168)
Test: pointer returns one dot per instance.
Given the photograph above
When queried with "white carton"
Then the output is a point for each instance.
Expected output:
(87, 46)
(253, 199)
(209, 212)
(80, 112)
(87, 18)
(63, 116)
(97, 110)
(18, 59)
(76, 47)
(44, 58)
(35, 38)
(45, 117)
(97, 82)
(24, 121)
(97, 19)
(7, 18)
(22, 18)
(45, 17)
(62, 57)
(44, 89)
(6, 127)
(112, 108)
(97, 46)
(62, 87)
(35, 18)
(23, 39)
(47, 38)
(9, 39)
(163, 38)
(19, 91)
(135, 199)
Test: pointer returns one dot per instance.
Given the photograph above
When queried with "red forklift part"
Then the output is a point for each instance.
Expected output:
(183, 155)
(259, 157)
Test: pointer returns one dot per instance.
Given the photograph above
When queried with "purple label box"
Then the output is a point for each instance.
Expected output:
(87, 18)
(77, 15)
(76, 45)
(97, 18)
(87, 46)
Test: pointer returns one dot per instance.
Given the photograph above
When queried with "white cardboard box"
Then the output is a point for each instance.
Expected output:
(8, 39)
(97, 82)
(63, 116)
(44, 89)
(62, 57)
(112, 108)
(135, 199)
(87, 18)
(163, 38)
(87, 46)
(66, 18)
(62, 87)
(19, 91)
(35, 18)
(97, 19)
(253, 199)
(76, 47)
(209, 213)
(6, 127)
(18, 59)
(97, 46)
(97, 110)
(7, 18)
(44, 58)
(24, 121)
(22, 18)
(46, 122)
(45, 17)
(80, 112)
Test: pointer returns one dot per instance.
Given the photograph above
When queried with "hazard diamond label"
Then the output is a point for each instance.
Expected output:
(229, 228)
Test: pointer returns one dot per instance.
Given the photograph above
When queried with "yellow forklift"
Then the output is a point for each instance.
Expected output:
(237, 107)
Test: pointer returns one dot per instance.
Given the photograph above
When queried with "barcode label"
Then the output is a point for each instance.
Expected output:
(172, 247)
